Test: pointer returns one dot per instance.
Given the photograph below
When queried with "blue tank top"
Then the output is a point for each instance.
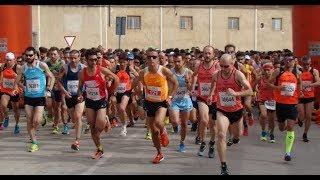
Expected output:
(71, 80)
(182, 91)
(35, 79)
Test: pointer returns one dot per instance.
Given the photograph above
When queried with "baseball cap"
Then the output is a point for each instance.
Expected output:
(247, 57)
(130, 56)
(10, 56)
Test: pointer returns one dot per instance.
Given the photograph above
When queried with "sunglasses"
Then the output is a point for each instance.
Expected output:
(93, 59)
(226, 66)
(137, 62)
(29, 55)
(19, 61)
(306, 64)
(153, 57)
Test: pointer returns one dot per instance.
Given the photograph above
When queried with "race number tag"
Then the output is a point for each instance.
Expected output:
(121, 88)
(306, 86)
(33, 85)
(93, 93)
(181, 92)
(153, 92)
(205, 89)
(289, 89)
(8, 83)
(270, 104)
(226, 99)
(73, 86)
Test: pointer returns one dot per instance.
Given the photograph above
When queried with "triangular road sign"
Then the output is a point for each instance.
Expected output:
(69, 40)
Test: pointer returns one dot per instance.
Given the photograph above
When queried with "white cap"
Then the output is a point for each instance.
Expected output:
(247, 57)
(10, 56)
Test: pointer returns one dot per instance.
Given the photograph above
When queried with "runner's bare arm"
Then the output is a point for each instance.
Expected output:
(172, 79)
(247, 89)
(17, 82)
(272, 80)
(51, 79)
(316, 78)
(133, 70)
(195, 77)
(61, 74)
(138, 79)
(108, 73)
(213, 83)
(189, 80)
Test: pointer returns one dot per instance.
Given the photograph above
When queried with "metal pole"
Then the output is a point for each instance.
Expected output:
(119, 40)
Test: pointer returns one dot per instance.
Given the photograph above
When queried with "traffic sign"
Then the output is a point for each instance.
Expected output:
(69, 40)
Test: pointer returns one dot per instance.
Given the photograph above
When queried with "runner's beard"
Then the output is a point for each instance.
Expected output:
(30, 61)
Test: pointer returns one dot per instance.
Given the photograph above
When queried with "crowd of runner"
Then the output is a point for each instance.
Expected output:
(211, 89)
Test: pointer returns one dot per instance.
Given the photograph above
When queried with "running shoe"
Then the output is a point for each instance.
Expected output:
(202, 149)
(272, 140)
(305, 137)
(6, 122)
(182, 148)
(197, 140)
(16, 129)
(211, 150)
(55, 130)
(148, 136)
(166, 120)
(33, 147)
(75, 146)
(176, 129)
(230, 142)
(97, 154)
(123, 132)
(235, 141)
(130, 124)
(194, 127)
(164, 138)
(65, 129)
(158, 158)
(44, 120)
(224, 171)
(245, 132)
(263, 136)
(287, 157)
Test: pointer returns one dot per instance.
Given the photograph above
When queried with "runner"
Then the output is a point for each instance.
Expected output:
(158, 97)
(8, 91)
(69, 87)
(267, 104)
(310, 79)
(92, 79)
(181, 103)
(229, 85)
(203, 75)
(34, 73)
(125, 74)
(285, 82)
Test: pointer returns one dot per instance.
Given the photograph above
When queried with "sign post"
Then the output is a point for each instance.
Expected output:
(69, 40)
(120, 27)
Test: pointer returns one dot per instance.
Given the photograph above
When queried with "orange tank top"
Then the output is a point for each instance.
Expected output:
(125, 81)
(307, 78)
(227, 102)
(156, 85)
(288, 95)
(8, 79)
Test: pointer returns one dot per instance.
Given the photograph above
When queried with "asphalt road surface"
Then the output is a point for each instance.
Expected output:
(133, 154)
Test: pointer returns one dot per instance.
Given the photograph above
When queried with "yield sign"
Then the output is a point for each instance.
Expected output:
(69, 40)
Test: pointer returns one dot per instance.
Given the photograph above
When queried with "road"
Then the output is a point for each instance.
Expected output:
(133, 154)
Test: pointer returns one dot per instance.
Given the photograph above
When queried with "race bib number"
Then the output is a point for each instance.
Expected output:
(289, 89)
(181, 92)
(73, 86)
(33, 85)
(93, 93)
(8, 83)
(306, 86)
(226, 99)
(205, 89)
(153, 92)
(270, 104)
(121, 88)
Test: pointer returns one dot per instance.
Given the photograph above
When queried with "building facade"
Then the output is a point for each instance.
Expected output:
(259, 28)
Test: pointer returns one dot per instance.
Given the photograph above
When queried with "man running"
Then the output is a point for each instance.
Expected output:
(310, 79)
(285, 82)
(229, 85)
(69, 86)
(34, 73)
(8, 92)
(203, 75)
(93, 80)
(158, 97)
(181, 104)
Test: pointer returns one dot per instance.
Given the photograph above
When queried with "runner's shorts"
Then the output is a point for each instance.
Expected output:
(96, 105)
(232, 116)
(152, 107)
(184, 104)
(34, 102)
(286, 111)
(15, 98)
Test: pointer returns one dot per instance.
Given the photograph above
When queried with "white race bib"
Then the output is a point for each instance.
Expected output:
(72, 86)
(289, 90)
(205, 89)
(93, 93)
(226, 99)
(121, 88)
(33, 85)
(8, 83)
(153, 92)
(306, 86)
(270, 104)
(181, 92)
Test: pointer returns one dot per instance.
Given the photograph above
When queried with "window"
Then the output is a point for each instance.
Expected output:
(134, 22)
(233, 23)
(186, 22)
(277, 24)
